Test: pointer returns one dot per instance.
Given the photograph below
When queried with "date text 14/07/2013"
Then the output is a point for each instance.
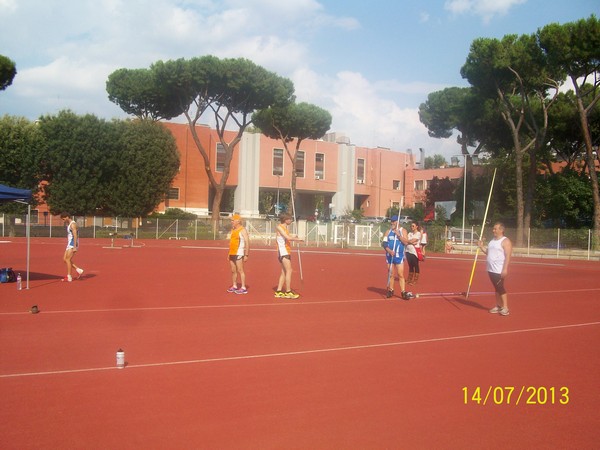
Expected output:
(515, 395)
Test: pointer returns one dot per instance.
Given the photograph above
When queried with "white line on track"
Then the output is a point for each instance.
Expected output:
(309, 352)
(425, 296)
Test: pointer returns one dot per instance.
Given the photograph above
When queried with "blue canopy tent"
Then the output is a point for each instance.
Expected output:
(10, 194)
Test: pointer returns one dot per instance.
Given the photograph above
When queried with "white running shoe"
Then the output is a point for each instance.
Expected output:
(79, 271)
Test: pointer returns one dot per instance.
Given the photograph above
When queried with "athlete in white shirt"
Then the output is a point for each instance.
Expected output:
(499, 251)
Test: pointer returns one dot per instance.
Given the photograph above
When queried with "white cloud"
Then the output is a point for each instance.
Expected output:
(81, 45)
(364, 112)
(486, 9)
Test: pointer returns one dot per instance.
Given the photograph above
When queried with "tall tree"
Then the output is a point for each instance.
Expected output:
(515, 72)
(8, 71)
(77, 152)
(228, 90)
(293, 122)
(95, 167)
(454, 109)
(145, 164)
(575, 48)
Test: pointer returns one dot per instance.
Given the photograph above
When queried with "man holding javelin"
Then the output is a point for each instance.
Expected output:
(239, 247)
(499, 251)
(72, 246)
(394, 244)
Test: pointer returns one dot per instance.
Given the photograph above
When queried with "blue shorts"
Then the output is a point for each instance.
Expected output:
(395, 259)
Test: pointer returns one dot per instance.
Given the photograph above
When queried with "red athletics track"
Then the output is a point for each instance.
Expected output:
(340, 368)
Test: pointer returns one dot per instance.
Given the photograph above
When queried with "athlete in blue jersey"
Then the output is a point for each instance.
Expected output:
(393, 244)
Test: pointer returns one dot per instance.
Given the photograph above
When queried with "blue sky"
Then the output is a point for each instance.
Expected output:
(370, 64)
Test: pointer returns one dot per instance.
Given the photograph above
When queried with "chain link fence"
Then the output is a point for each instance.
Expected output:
(538, 242)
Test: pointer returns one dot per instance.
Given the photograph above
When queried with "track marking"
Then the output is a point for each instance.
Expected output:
(290, 303)
(308, 352)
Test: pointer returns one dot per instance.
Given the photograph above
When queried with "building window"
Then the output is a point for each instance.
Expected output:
(278, 161)
(300, 164)
(220, 158)
(418, 185)
(396, 185)
(173, 194)
(360, 171)
(319, 166)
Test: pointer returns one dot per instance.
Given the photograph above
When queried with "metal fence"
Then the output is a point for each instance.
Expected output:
(550, 243)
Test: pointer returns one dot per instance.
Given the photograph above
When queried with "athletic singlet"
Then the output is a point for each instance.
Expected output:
(495, 255)
(283, 246)
(70, 237)
(395, 244)
(237, 244)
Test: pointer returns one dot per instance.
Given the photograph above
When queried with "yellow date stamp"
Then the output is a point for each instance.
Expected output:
(516, 395)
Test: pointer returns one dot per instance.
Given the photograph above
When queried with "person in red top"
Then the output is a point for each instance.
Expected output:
(239, 248)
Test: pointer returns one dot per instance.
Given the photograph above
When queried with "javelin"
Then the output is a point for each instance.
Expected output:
(299, 257)
(448, 294)
(481, 235)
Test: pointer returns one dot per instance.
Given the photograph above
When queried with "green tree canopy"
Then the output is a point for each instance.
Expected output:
(8, 71)
(228, 90)
(435, 162)
(515, 73)
(144, 167)
(95, 167)
(296, 121)
(21, 147)
(575, 48)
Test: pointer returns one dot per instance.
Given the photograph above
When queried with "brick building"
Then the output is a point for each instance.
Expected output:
(343, 175)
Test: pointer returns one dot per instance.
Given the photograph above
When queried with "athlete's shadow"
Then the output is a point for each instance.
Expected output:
(377, 290)
(51, 278)
(452, 299)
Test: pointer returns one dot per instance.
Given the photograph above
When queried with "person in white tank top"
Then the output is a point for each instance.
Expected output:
(499, 251)
(72, 246)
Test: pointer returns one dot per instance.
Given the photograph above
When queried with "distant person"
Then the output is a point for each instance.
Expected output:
(239, 247)
(412, 253)
(394, 245)
(72, 246)
(499, 251)
(284, 253)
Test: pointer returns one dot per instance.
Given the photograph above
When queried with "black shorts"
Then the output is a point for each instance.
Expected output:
(234, 258)
(280, 257)
(498, 282)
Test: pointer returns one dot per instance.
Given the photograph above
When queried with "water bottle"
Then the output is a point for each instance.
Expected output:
(120, 359)
(19, 282)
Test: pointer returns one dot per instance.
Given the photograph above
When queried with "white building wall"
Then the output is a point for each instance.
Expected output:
(245, 201)
(343, 199)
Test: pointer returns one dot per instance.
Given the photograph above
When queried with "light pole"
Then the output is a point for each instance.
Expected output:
(277, 207)
(462, 233)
